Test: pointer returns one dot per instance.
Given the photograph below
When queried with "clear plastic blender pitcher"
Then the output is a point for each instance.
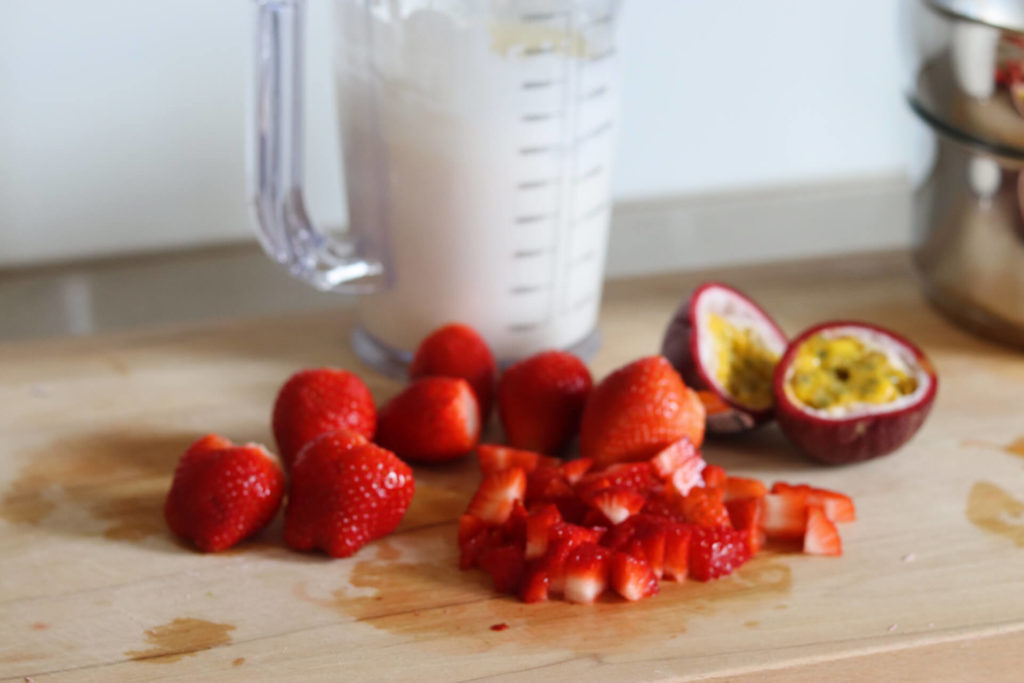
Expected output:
(477, 143)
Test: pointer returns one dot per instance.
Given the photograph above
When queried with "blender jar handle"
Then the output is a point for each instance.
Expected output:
(285, 230)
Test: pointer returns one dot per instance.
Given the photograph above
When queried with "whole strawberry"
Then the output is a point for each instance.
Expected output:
(541, 399)
(320, 400)
(345, 492)
(638, 410)
(223, 493)
(457, 350)
(434, 419)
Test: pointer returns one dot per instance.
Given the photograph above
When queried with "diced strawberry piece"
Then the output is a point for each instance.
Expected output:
(574, 470)
(498, 492)
(633, 475)
(586, 573)
(546, 483)
(553, 563)
(741, 487)
(572, 508)
(784, 516)
(704, 507)
(714, 475)
(469, 526)
(535, 583)
(617, 503)
(505, 565)
(537, 527)
(685, 479)
(675, 455)
(574, 535)
(822, 537)
(492, 458)
(632, 578)
(513, 531)
(649, 543)
(677, 551)
(594, 517)
(745, 515)
(663, 504)
(472, 547)
(838, 507)
(716, 552)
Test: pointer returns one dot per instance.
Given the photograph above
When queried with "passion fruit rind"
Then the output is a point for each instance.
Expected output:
(689, 350)
(859, 431)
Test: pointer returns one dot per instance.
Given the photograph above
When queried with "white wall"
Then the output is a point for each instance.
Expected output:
(122, 121)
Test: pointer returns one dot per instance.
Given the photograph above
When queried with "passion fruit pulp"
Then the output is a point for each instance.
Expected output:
(849, 391)
(726, 346)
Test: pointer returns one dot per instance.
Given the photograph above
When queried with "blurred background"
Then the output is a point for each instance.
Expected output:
(123, 127)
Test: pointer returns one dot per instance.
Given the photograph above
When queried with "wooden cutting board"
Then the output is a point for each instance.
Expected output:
(92, 587)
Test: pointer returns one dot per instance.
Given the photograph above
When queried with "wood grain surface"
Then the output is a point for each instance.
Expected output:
(92, 586)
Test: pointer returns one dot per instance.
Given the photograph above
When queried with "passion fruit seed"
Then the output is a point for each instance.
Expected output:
(841, 371)
(745, 364)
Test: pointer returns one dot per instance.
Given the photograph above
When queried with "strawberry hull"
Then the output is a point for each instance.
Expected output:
(682, 346)
(843, 440)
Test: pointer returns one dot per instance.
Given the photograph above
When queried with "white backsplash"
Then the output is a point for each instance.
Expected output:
(122, 123)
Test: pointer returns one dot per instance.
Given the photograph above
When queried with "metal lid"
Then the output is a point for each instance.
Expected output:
(1004, 14)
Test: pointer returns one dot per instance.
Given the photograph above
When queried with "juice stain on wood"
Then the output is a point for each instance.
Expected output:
(992, 508)
(432, 599)
(120, 478)
(1015, 447)
(238, 662)
(180, 638)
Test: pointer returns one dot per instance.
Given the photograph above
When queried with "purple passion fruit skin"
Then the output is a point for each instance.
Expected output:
(684, 345)
(848, 432)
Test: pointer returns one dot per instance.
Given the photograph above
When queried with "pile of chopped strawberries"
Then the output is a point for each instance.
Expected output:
(542, 527)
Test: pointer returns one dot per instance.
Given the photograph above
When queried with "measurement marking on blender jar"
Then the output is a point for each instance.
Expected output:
(543, 16)
(529, 253)
(594, 94)
(594, 212)
(582, 302)
(594, 132)
(534, 184)
(539, 50)
(536, 85)
(597, 21)
(583, 259)
(528, 151)
(529, 289)
(524, 327)
(601, 56)
(533, 218)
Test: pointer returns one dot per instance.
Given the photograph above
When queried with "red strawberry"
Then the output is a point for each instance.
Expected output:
(433, 420)
(638, 410)
(676, 455)
(677, 550)
(716, 552)
(822, 537)
(665, 504)
(745, 514)
(492, 458)
(505, 565)
(838, 507)
(498, 492)
(714, 475)
(686, 478)
(320, 400)
(633, 475)
(470, 526)
(222, 493)
(740, 487)
(553, 563)
(574, 470)
(541, 399)
(513, 531)
(617, 503)
(458, 351)
(649, 543)
(586, 573)
(705, 507)
(345, 494)
(632, 578)
(473, 546)
(574, 534)
(785, 516)
(535, 583)
(538, 525)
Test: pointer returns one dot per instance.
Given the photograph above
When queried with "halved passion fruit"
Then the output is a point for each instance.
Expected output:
(726, 347)
(850, 391)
